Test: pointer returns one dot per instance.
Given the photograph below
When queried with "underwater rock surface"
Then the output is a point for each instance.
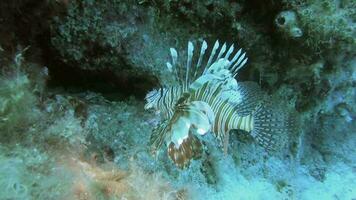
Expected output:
(74, 75)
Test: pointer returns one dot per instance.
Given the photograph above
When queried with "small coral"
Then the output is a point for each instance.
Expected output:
(287, 23)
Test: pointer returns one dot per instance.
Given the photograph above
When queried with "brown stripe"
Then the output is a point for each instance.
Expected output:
(231, 112)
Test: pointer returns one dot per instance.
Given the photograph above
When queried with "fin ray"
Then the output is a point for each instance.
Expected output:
(191, 148)
(158, 136)
(189, 61)
(238, 65)
(204, 46)
(271, 127)
(231, 49)
(213, 51)
(222, 51)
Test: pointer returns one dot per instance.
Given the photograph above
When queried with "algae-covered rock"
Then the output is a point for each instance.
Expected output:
(74, 73)
(121, 37)
(328, 25)
(92, 33)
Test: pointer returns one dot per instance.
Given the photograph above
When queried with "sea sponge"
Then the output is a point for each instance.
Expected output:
(287, 23)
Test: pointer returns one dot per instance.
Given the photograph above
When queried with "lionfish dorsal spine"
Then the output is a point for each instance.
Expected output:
(174, 56)
(213, 51)
(174, 65)
(216, 63)
(239, 64)
(189, 61)
(236, 56)
(222, 51)
(231, 49)
(204, 46)
(169, 67)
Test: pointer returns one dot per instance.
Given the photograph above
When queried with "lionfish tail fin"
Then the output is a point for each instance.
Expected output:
(272, 127)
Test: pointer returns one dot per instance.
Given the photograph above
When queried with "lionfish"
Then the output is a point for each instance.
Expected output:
(208, 99)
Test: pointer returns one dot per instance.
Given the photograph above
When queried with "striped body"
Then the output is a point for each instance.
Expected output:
(226, 117)
(164, 99)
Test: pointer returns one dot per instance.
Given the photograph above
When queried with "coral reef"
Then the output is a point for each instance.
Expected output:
(91, 33)
(73, 75)
(328, 24)
(109, 36)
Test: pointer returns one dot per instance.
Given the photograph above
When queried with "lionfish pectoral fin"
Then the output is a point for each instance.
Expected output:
(190, 148)
(158, 137)
(192, 117)
(189, 120)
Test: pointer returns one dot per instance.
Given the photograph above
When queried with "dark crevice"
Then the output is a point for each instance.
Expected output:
(113, 86)
(30, 22)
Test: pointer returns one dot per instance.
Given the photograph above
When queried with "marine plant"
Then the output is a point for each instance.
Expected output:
(17, 98)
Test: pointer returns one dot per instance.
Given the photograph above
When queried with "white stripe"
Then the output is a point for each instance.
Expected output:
(216, 46)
